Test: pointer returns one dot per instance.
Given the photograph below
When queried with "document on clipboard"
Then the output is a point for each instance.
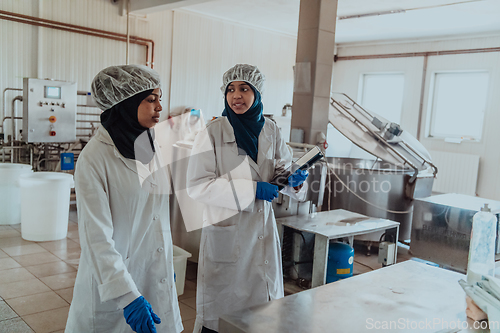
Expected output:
(303, 163)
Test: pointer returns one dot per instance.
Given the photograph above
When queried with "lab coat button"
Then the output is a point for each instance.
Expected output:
(163, 280)
(260, 210)
(260, 237)
(160, 249)
(155, 217)
(266, 262)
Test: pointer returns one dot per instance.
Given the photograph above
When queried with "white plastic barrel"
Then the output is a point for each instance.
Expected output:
(180, 263)
(10, 195)
(45, 205)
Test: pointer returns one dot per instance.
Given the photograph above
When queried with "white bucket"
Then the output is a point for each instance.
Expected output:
(45, 205)
(10, 195)
(180, 262)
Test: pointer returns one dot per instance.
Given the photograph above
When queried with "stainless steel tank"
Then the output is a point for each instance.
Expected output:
(375, 188)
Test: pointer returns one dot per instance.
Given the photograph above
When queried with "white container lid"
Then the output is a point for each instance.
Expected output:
(39, 178)
(10, 172)
(14, 166)
(357, 125)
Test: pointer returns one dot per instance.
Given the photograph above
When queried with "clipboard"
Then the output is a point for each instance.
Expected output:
(303, 163)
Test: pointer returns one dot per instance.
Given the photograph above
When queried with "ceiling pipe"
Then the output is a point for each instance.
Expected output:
(80, 30)
(415, 54)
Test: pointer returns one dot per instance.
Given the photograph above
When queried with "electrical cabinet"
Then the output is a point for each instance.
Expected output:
(49, 111)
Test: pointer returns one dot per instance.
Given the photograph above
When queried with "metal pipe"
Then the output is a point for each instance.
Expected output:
(422, 91)
(3, 105)
(78, 29)
(111, 33)
(5, 118)
(128, 32)
(17, 98)
(87, 121)
(88, 114)
(84, 32)
(417, 54)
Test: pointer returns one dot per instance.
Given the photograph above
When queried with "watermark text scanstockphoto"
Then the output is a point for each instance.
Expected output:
(428, 324)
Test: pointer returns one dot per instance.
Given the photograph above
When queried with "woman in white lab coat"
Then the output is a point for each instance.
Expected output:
(232, 162)
(125, 279)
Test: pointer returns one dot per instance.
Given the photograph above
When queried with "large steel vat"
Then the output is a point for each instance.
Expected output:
(375, 188)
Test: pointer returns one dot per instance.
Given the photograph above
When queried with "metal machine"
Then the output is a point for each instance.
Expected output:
(52, 122)
(385, 186)
(49, 111)
(442, 225)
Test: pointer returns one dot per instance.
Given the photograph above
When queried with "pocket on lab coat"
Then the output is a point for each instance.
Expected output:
(222, 244)
(103, 307)
(107, 321)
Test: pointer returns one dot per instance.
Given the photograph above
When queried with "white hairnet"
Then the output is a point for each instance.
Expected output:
(244, 72)
(115, 84)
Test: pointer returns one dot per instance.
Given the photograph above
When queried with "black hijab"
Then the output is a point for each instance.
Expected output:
(123, 126)
(247, 126)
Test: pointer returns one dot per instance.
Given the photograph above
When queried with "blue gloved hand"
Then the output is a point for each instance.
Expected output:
(140, 316)
(297, 178)
(266, 191)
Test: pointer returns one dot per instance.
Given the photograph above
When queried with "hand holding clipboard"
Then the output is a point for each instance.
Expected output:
(304, 162)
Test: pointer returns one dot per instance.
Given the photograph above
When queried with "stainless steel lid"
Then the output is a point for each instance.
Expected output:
(378, 136)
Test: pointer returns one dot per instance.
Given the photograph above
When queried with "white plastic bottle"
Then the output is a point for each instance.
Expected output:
(482, 245)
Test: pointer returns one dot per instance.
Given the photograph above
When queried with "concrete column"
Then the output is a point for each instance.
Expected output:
(313, 67)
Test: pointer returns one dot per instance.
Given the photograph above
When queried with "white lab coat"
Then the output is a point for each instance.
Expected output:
(124, 229)
(240, 256)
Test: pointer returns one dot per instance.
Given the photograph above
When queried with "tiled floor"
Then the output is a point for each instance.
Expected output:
(37, 278)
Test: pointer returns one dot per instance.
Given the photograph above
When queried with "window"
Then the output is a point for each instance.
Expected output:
(383, 94)
(457, 105)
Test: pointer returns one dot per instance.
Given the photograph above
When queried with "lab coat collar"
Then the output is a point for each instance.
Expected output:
(227, 131)
(265, 141)
(135, 166)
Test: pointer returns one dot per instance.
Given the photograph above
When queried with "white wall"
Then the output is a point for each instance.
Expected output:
(204, 48)
(346, 76)
(30, 51)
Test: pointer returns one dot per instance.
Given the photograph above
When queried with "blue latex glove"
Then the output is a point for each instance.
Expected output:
(140, 316)
(195, 113)
(266, 191)
(297, 178)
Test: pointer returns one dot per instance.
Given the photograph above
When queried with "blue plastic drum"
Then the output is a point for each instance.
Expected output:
(340, 262)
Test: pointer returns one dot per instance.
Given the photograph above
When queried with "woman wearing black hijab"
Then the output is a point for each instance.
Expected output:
(125, 279)
(230, 169)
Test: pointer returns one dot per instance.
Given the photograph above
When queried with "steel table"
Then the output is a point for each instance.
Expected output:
(333, 224)
(405, 297)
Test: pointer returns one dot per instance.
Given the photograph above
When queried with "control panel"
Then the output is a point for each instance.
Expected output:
(49, 111)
